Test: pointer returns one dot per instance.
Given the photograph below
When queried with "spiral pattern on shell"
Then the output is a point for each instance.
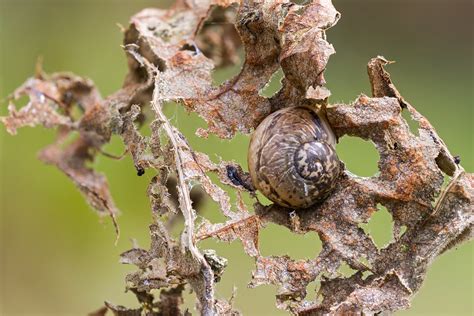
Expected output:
(292, 159)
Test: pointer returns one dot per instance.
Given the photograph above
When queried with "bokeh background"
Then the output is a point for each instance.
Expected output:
(57, 258)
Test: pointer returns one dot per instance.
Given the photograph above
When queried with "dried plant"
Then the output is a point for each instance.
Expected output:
(165, 64)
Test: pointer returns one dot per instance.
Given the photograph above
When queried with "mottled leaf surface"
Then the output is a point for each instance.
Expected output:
(171, 55)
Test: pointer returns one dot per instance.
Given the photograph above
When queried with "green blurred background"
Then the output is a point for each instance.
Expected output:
(57, 258)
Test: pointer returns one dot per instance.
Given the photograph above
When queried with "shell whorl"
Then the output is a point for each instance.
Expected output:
(292, 159)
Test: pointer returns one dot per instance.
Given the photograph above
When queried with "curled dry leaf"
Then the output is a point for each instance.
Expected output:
(166, 64)
(72, 161)
(51, 102)
(218, 38)
(268, 32)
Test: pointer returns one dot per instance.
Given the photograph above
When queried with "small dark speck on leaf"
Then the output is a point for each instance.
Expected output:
(140, 171)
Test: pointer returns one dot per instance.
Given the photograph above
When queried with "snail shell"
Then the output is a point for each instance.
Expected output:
(292, 159)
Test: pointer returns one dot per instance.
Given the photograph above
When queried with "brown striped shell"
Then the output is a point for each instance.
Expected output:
(292, 159)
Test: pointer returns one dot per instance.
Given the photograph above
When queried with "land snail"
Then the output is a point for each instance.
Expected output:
(292, 159)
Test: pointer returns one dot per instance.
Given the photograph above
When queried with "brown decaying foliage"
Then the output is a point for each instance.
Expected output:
(165, 64)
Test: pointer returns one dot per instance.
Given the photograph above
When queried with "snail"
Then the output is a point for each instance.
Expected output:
(292, 159)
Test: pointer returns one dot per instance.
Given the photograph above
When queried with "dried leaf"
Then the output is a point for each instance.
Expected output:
(72, 161)
(409, 181)
(218, 38)
(119, 310)
(165, 64)
(245, 228)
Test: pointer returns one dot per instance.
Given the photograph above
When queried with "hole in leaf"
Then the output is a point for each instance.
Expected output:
(359, 156)
(345, 270)
(173, 111)
(364, 261)
(412, 124)
(211, 209)
(276, 240)
(175, 226)
(444, 186)
(76, 113)
(273, 85)
(263, 199)
(403, 229)
(312, 289)
(189, 299)
(366, 274)
(218, 38)
(379, 227)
